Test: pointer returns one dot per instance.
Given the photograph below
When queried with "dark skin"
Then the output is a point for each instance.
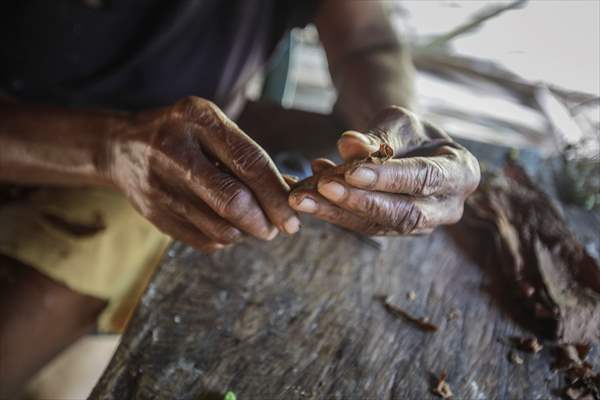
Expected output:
(429, 177)
(196, 176)
(422, 186)
(163, 160)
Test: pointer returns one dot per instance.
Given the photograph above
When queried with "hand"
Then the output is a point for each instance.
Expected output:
(197, 177)
(424, 185)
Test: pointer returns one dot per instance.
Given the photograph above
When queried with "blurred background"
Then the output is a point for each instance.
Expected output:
(520, 74)
(524, 75)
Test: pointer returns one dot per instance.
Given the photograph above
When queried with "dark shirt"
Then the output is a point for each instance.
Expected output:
(133, 54)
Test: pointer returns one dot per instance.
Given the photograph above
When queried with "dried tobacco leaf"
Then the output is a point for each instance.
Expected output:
(442, 389)
(582, 381)
(380, 156)
(515, 358)
(421, 322)
(556, 281)
(567, 356)
(529, 345)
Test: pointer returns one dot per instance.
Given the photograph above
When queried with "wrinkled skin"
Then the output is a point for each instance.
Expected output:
(423, 186)
(195, 175)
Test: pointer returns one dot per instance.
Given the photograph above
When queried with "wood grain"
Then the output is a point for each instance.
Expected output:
(298, 318)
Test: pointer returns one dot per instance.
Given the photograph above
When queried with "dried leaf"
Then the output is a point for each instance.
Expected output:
(582, 382)
(529, 345)
(567, 356)
(384, 153)
(442, 389)
(422, 323)
(515, 358)
(550, 273)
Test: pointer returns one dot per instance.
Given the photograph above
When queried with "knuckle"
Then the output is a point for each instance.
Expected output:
(249, 160)
(237, 204)
(190, 103)
(203, 111)
(366, 204)
(379, 210)
(411, 218)
(369, 204)
(185, 107)
(432, 177)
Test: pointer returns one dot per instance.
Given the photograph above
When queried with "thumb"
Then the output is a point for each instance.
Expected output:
(394, 126)
(354, 145)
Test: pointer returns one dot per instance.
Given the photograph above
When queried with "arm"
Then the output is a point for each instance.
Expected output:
(369, 65)
(428, 177)
(187, 168)
(55, 146)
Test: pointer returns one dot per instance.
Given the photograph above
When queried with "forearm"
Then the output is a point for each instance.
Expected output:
(369, 65)
(372, 80)
(55, 146)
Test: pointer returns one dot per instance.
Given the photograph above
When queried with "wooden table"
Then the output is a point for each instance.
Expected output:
(301, 318)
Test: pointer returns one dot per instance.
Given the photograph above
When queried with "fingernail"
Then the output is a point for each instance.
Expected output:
(362, 176)
(358, 136)
(272, 234)
(332, 190)
(307, 205)
(292, 225)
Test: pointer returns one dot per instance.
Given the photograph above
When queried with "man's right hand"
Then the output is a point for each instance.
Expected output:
(197, 177)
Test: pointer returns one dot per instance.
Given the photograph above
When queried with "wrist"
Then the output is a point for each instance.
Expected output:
(114, 131)
(366, 85)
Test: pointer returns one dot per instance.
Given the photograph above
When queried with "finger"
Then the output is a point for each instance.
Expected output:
(320, 164)
(197, 213)
(183, 232)
(223, 193)
(419, 176)
(311, 202)
(394, 126)
(207, 221)
(250, 163)
(402, 213)
(354, 145)
(398, 212)
(397, 127)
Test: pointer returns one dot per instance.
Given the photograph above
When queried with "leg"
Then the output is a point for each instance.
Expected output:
(38, 319)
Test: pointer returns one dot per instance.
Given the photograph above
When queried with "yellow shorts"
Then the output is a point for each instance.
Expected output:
(89, 239)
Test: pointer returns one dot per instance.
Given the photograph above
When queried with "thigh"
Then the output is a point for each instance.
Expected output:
(38, 318)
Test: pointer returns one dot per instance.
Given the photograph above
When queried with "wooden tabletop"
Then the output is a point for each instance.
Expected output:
(301, 317)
